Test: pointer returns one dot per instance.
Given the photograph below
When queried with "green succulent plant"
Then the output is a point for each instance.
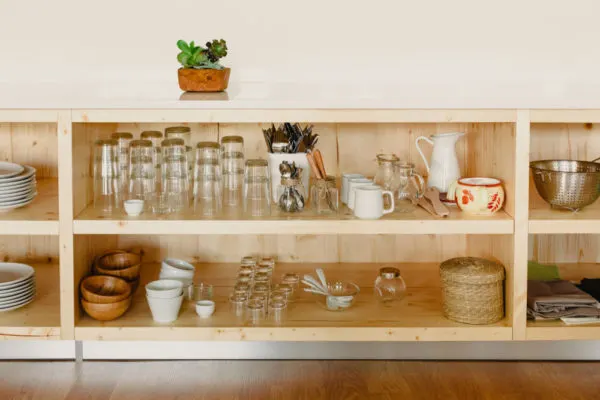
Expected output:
(198, 57)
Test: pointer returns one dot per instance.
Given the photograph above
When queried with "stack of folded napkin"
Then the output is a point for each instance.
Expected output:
(547, 300)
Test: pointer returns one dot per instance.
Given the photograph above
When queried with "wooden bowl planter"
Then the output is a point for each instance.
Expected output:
(203, 80)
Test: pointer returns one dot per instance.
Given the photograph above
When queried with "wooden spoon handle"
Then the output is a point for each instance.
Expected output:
(320, 163)
(433, 195)
(426, 205)
(313, 166)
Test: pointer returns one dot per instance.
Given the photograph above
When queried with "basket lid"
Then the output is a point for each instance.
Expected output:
(471, 270)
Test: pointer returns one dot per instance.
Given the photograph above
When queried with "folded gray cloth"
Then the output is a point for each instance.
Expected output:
(557, 299)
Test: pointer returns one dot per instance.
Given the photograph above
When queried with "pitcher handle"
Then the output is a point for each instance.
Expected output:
(392, 204)
(419, 149)
(420, 186)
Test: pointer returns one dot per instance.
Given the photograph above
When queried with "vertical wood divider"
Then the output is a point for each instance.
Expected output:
(65, 216)
(521, 218)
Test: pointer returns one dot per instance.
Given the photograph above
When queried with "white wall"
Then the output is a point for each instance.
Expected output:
(306, 40)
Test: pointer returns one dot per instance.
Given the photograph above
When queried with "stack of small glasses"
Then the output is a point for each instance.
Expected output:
(255, 298)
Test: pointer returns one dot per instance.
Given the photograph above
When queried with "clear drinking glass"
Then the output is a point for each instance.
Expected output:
(255, 312)
(179, 132)
(263, 298)
(277, 311)
(208, 151)
(207, 188)
(324, 196)
(270, 261)
(107, 188)
(278, 296)
(141, 170)
(156, 137)
(411, 187)
(248, 261)
(286, 290)
(159, 204)
(257, 188)
(175, 174)
(233, 178)
(261, 288)
(262, 277)
(232, 144)
(246, 270)
(237, 305)
(202, 291)
(291, 279)
(123, 139)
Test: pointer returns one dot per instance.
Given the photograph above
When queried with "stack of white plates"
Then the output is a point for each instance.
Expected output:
(17, 285)
(17, 185)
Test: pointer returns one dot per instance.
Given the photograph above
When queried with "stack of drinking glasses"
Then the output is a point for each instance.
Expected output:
(108, 191)
(123, 143)
(156, 137)
(232, 167)
(175, 182)
(257, 188)
(207, 180)
(142, 179)
(255, 299)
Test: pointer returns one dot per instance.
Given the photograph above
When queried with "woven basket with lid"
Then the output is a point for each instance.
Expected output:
(473, 290)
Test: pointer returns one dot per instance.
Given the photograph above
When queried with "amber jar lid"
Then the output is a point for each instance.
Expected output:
(151, 135)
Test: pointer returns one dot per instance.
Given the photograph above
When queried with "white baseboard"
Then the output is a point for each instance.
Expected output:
(582, 350)
(37, 350)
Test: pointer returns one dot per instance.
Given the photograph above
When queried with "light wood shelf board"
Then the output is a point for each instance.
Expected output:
(39, 320)
(23, 115)
(38, 218)
(91, 221)
(565, 116)
(547, 220)
(417, 318)
(312, 115)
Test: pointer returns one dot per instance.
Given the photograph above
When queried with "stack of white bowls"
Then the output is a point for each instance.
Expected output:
(164, 298)
(180, 270)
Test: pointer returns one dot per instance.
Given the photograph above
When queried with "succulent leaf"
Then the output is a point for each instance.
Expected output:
(183, 46)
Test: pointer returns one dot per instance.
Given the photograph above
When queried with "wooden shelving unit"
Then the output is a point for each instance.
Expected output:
(500, 142)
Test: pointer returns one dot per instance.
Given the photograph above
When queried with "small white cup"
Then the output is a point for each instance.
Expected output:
(352, 185)
(164, 289)
(345, 182)
(205, 308)
(134, 207)
(369, 202)
(165, 310)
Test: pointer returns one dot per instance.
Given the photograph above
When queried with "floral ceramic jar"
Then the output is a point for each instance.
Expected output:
(477, 196)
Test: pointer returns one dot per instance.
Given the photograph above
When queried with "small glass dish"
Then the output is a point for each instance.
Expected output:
(341, 296)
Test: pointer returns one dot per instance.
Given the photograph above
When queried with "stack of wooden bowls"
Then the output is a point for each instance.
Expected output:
(105, 297)
(120, 264)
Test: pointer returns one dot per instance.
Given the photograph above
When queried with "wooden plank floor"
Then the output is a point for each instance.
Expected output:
(310, 380)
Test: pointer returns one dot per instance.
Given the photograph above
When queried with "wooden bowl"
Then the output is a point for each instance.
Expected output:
(106, 312)
(104, 289)
(120, 264)
(134, 285)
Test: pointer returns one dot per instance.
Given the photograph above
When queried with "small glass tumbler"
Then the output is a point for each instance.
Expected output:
(159, 204)
(208, 151)
(180, 132)
(232, 144)
(237, 305)
(249, 261)
(268, 261)
(263, 298)
(107, 189)
(257, 189)
(264, 268)
(261, 288)
(156, 137)
(278, 296)
(233, 178)
(175, 174)
(124, 140)
(255, 312)
(324, 196)
(244, 279)
(246, 270)
(286, 290)
(242, 289)
(277, 311)
(291, 279)
(262, 277)
(141, 170)
(207, 188)
(199, 292)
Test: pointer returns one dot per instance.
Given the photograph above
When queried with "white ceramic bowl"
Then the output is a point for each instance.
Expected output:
(183, 276)
(164, 289)
(205, 308)
(173, 268)
(133, 207)
(165, 310)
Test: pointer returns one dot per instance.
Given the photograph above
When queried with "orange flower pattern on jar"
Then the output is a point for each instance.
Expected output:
(477, 196)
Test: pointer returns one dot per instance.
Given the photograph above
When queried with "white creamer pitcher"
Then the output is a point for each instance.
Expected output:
(444, 168)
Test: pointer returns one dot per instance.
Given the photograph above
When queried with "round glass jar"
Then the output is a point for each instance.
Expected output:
(389, 286)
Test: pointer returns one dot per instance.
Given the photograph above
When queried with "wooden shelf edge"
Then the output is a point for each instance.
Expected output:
(552, 226)
(28, 115)
(29, 227)
(564, 333)
(564, 116)
(29, 333)
(299, 227)
(305, 334)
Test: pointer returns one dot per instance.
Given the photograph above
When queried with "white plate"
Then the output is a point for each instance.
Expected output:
(18, 286)
(8, 169)
(11, 301)
(23, 194)
(16, 291)
(12, 207)
(13, 273)
(28, 172)
(18, 189)
(14, 307)
(18, 184)
(20, 200)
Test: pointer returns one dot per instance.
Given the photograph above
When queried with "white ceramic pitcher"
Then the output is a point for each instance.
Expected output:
(444, 168)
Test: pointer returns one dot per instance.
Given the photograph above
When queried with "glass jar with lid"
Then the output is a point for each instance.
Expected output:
(179, 132)
(389, 286)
